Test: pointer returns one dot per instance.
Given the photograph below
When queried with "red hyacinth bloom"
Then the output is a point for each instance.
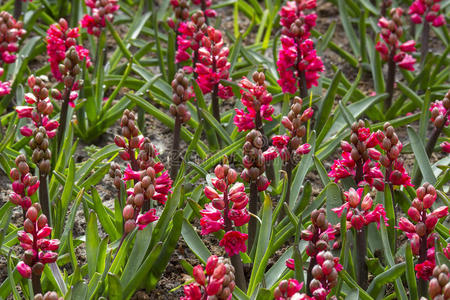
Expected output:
(426, 11)
(101, 10)
(10, 35)
(234, 242)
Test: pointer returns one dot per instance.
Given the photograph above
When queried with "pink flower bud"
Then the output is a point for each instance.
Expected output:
(210, 193)
(48, 257)
(120, 141)
(353, 198)
(44, 232)
(231, 176)
(430, 222)
(24, 269)
(405, 225)
(303, 149)
(32, 214)
(287, 123)
(440, 212)
(219, 171)
(211, 264)
(414, 214)
(428, 201)
(357, 222)
(374, 154)
(199, 275)
(307, 114)
(367, 203)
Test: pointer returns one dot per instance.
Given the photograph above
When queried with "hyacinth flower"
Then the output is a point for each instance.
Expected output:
(59, 39)
(428, 13)
(39, 250)
(205, 8)
(419, 229)
(360, 212)
(317, 234)
(290, 147)
(227, 211)
(180, 112)
(101, 11)
(385, 4)
(41, 108)
(189, 39)
(289, 289)
(445, 146)
(439, 287)
(216, 281)
(24, 183)
(130, 139)
(181, 11)
(10, 35)
(254, 162)
(298, 63)
(394, 52)
(212, 67)
(440, 111)
(5, 87)
(359, 159)
(325, 274)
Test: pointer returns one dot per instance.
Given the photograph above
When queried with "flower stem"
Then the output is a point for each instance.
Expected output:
(17, 9)
(204, 7)
(63, 117)
(309, 277)
(288, 169)
(390, 81)
(43, 196)
(36, 283)
(302, 85)
(253, 207)
(424, 42)
(270, 172)
(175, 157)
(422, 284)
(361, 253)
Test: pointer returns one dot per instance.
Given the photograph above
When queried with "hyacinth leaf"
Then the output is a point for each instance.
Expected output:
(115, 291)
(376, 67)
(103, 217)
(239, 294)
(334, 200)
(92, 243)
(65, 198)
(421, 156)
(194, 242)
(410, 94)
(263, 243)
(353, 295)
(387, 276)
(70, 222)
(305, 164)
(353, 285)
(212, 122)
(11, 280)
(348, 28)
(325, 39)
(388, 202)
(425, 115)
(210, 134)
(410, 273)
(326, 104)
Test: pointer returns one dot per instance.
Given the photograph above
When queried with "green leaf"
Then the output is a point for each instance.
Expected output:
(103, 216)
(334, 200)
(194, 242)
(387, 276)
(92, 243)
(348, 28)
(115, 288)
(420, 156)
(326, 104)
(410, 273)
(353, 285)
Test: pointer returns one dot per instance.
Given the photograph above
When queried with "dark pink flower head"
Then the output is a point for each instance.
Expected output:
(59, 39)
(5, 87)
(101, 10)
(24, 183)
(428, 11)
(425, 269)
(10, 35)
(440, 111)
(213, 65)
(190, 37)
(390, 35)
(234, 242)
(445, 146)
(257, 100)
(33, 239)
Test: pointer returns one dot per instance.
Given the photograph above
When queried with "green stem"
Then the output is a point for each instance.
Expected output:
(390, 81)
(175, 157)
(361, 253)
(43, 196)
(36, 283)
(17, 9)
(253, 208)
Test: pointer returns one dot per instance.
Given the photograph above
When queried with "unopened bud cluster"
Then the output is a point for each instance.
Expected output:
(289, 290)
(70, 68)
(254, 161)
(181, 10)
(318, 233)
(42, 109)
(24, 184)
(39, 250)
(325, 274)
(48, 296)
(10, 33)
(129, 140)
(439, 287)
(440, 111)
(101, 10)
(215, 282)
(391, 33)
(180, 97)
(115, 172)
(205, 4)
(39, 144)
(427, 11)
(424, 222)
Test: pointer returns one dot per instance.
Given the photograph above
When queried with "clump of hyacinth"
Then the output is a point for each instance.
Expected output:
(41, 107)
(289, 290)
(325, 274)
(359, 158)
(395, 171)
(360, 210)
(130, 139)
(24, 183)
(59, 39)
(39, 250)
(212, 67)
(180, 97)
(440, 111)
(427, 11)
(298, 64)
(189, 39)
(390, 47)
(420, 227)
(290, 145)
(227, 210)
(205, 8)
(216, 281)
(10, 34)
(5, 87)
(101, 10)
(257, 100)
(439, 286)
